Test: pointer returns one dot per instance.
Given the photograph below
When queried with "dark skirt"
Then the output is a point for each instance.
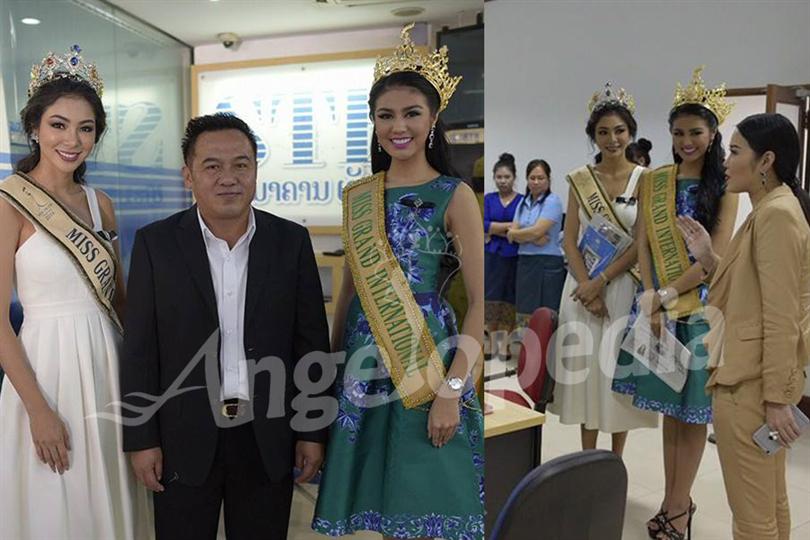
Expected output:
(540, 281)
(500, 274)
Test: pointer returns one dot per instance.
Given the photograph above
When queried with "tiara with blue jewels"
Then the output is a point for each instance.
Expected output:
(65, 66)
(611, 96)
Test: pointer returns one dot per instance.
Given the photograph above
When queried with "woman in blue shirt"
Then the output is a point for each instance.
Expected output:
(536, 228)
(501, 255)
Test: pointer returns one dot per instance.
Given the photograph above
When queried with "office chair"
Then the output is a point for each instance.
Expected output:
(579, 496)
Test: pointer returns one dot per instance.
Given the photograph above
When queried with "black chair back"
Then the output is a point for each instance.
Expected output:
(579, 496)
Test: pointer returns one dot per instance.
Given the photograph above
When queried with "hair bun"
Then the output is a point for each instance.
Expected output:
(644, 144)
(506, 156)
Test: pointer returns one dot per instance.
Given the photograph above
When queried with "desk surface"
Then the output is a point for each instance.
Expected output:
(508, 417)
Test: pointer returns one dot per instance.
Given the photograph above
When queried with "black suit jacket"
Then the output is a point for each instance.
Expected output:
(172, 313)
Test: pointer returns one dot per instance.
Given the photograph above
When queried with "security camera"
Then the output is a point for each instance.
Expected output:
(229, 40)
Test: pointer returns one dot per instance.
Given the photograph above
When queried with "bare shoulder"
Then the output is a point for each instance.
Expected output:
(9, 214)
(107, 208)
(463, 195)
(11, 221)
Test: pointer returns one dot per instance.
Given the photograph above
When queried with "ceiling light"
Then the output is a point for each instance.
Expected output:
(30, 21)
(408, 11)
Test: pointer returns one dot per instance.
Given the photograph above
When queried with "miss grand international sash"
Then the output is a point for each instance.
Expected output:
(666, 243)
(94, 257)
(396, 321)
(593, 199)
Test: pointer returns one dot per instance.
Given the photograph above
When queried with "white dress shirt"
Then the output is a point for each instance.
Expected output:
(229, 273)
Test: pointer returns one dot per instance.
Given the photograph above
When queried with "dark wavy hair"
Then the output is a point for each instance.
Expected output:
(639, 152)
(505, 160)
(611, 108)
(44, 97)
(713, 176)
(772, 132)
(439, 156)
(547, 168)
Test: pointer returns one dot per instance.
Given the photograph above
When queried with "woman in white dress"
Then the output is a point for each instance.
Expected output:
(594, 310)
(62, 472)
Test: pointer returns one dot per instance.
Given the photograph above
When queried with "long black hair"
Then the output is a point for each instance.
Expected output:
(713, 175)
(611, 108)
(43, 98)
(439, 156)
(547, 168)
(772, 132)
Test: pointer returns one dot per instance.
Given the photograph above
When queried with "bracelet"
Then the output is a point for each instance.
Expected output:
(604, 278)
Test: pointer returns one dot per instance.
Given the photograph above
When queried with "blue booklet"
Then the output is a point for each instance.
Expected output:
(601, 243)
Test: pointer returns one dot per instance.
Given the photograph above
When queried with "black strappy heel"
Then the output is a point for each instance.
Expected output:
(658, 519)
(661, 516)
(669, 531)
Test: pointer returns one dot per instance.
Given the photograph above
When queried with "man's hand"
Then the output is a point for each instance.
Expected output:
(308, 459)
(148, 467)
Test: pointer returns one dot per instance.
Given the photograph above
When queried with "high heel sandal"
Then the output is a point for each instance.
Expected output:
(661, 517)
(658, 519)
(669, 531)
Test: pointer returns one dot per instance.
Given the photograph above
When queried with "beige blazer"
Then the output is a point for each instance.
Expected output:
(759, 302)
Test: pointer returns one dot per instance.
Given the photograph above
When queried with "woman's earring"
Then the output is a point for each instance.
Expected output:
(379, 148)
(430, 137)
(764, 178)
(35, 138)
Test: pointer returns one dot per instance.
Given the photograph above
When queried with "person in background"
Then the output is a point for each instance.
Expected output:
(757, 366)
(639, 152)
(536, 228)
(500, 255)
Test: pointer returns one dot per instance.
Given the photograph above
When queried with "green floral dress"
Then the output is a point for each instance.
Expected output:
(691, 405)
(382, 473)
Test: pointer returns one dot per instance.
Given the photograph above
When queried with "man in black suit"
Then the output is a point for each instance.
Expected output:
(225, 315)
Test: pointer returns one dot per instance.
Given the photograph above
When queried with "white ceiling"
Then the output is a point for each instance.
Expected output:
(197, 22)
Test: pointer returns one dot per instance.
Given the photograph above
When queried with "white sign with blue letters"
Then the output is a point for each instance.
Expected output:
(312, 123)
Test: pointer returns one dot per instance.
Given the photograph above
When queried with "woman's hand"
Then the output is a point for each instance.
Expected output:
(650, 304)
(698, 241)
(597, 307)
(443, 420)
(510, 234)
(587, 291)
(779, 418)
(51, 439)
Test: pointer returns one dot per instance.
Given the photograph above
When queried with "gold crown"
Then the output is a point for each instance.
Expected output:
(696, 92)
(431, 66)
(70, 65)
(609, 96)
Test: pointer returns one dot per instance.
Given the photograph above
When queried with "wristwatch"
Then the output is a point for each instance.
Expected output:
(454, 383)
(666, 297)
